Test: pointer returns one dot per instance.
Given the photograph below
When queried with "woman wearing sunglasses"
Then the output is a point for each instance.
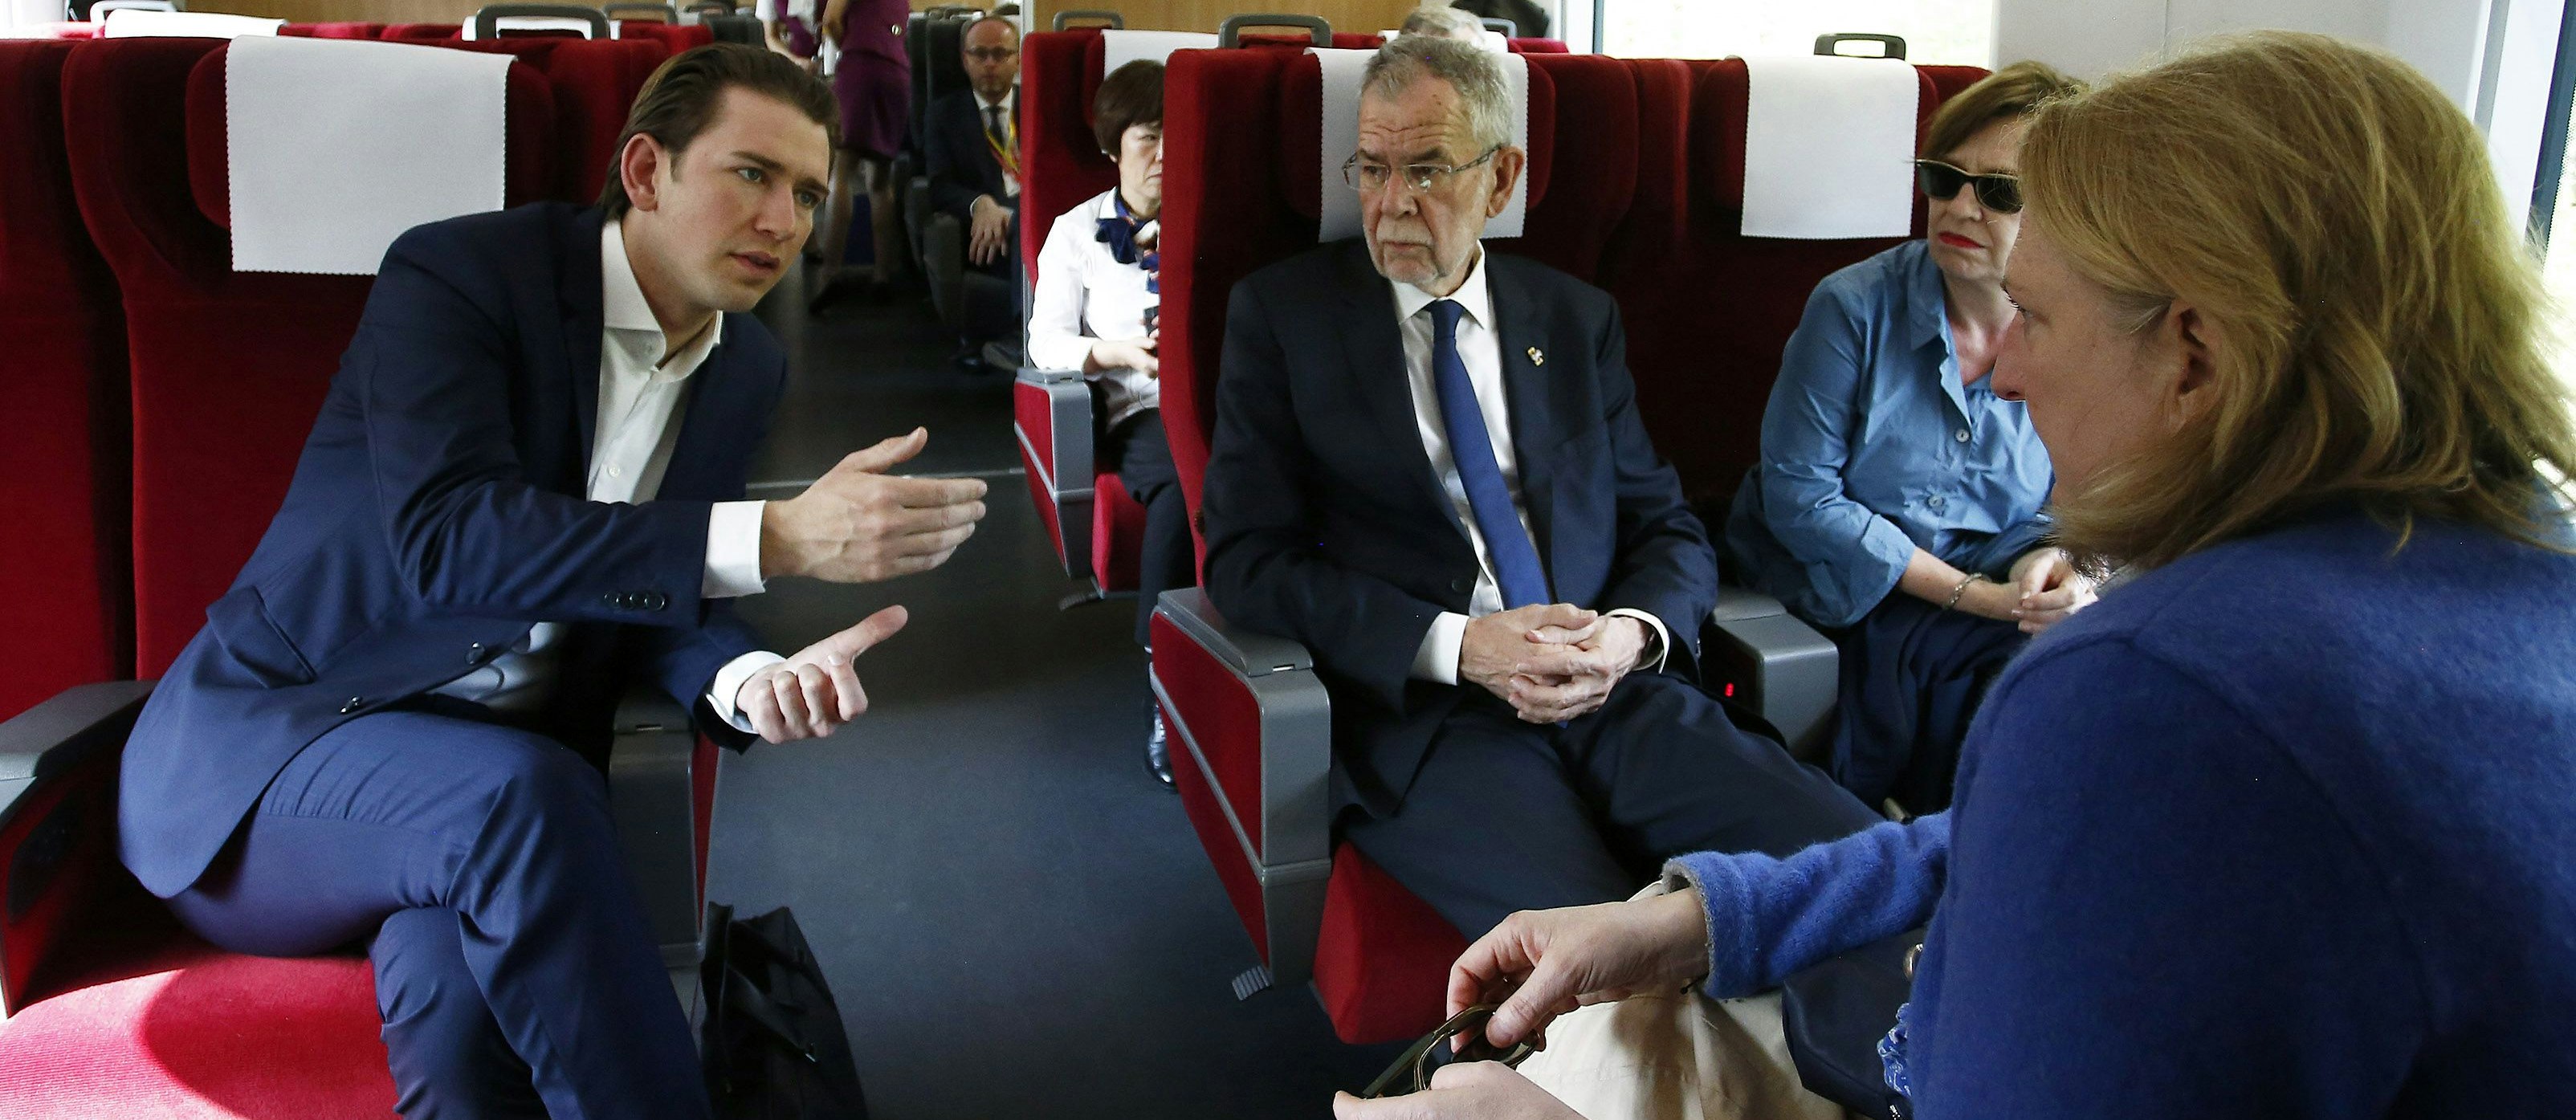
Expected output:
(1897, 504)
(2280, 828)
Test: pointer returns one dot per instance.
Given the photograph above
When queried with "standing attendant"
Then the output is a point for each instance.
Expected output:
(1898, 501)
(873, 84)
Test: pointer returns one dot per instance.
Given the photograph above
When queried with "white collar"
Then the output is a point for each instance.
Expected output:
(1008, 96)
(621, 297)
(1472, 295)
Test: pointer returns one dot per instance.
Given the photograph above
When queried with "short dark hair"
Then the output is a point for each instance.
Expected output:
(679, 101)
(1130, 96)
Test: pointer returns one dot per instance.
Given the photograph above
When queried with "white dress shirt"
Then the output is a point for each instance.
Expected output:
(1480, 350)
(983, 120)
(1083, 295)
(637, 423)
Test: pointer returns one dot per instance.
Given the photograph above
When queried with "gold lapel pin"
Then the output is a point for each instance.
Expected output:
(1537, 358)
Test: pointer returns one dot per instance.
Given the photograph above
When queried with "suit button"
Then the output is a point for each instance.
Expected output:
(474, 652)
(654, 600)
(1462, 585)
(352, 704)
(614, 600)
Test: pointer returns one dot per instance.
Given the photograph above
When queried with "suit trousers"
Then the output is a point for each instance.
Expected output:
(1506, 815)
(1912, 678)
(479, 864)
(1168, 558)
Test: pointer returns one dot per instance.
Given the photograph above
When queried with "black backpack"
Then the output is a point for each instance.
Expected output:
(1835, 1011)
(772, 1042)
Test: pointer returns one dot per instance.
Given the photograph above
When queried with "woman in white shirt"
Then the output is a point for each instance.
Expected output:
(1094, 309)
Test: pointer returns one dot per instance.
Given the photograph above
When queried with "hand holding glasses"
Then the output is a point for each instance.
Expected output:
(1412, 1070)
(1370, 178)
(1997, 192)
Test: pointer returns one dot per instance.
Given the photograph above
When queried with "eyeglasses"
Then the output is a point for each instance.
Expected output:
(1999, 193)
(1370, 178)
(993, 54)
(1412, 1071)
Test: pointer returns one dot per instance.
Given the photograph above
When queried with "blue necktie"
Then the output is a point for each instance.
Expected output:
(1471, 449)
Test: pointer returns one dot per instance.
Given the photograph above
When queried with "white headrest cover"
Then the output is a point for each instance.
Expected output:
(1118, 48)
(322, 179)
(1827, 147)
(537, 23)
(134, 23)
(1338, 211)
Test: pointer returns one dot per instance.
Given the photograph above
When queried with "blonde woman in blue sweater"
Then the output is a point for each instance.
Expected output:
(2281, 826)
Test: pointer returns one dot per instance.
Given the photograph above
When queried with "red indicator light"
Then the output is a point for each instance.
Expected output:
(1730, 690)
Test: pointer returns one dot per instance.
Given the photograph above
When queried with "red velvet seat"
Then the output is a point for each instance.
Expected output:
(1242, 182)
(673, 37)
(335, 30)
(63, 460)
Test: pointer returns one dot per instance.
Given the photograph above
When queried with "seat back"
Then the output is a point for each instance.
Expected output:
(228, 368)
(1709, 310)
(63, 462)
(1060, 163)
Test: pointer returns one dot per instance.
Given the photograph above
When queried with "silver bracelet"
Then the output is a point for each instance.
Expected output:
(1960, 590)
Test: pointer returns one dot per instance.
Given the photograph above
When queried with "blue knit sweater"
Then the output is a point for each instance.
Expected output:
(2287, 828)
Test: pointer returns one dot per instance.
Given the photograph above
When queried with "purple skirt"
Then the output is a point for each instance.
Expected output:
(876, 104)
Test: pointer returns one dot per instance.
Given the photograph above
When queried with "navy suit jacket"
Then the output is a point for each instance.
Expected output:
(1326, 524)
(437, 512)
(961, 163)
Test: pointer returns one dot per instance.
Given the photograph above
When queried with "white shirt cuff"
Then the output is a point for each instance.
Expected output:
(728, 683)
(1437, 658)
(1663, 637)
(733, 552)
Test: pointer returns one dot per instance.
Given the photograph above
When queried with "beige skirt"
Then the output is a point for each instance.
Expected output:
(1676, 1057)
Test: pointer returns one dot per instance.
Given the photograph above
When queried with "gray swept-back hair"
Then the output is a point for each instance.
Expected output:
(1468, 68)
(1443, 21)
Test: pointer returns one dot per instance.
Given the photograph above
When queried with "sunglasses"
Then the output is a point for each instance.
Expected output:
(1412, 1070)
(1999, 193)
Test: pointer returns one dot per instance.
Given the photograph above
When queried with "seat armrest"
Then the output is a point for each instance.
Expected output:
(1761, 656)
(1249, 653)
(1252, 751)
(58, 865)
(1051, 418)
(649, 795)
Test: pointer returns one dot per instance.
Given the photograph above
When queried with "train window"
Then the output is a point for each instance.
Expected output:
(2553, 204)
(1946, 32)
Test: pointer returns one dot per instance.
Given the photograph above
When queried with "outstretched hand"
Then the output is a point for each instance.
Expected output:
(859, 524)
(813, 693)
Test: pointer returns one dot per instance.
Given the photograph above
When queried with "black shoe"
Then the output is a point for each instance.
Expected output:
(1158, 753)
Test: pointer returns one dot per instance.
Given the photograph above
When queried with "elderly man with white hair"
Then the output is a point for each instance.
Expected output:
(1428, 467)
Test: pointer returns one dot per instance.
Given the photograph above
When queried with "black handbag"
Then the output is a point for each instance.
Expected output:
(1835, 1012)
(772, 1041)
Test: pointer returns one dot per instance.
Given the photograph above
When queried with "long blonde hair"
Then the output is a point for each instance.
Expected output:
(2334, 220)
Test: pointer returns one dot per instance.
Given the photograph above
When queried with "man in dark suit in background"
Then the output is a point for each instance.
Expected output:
(971, 139)
(524, 490)
(1428, 467)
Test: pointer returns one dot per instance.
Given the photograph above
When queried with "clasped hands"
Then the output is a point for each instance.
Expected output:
(1550, 662)
(1540, 964)
(856, 524)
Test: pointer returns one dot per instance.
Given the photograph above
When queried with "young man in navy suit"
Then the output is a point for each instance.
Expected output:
(523, 491)
(1428, 468)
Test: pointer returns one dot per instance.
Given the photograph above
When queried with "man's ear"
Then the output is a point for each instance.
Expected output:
(636, 167)
(1509, 162)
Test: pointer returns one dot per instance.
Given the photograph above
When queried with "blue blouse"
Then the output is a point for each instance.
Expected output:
(1872, 448)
